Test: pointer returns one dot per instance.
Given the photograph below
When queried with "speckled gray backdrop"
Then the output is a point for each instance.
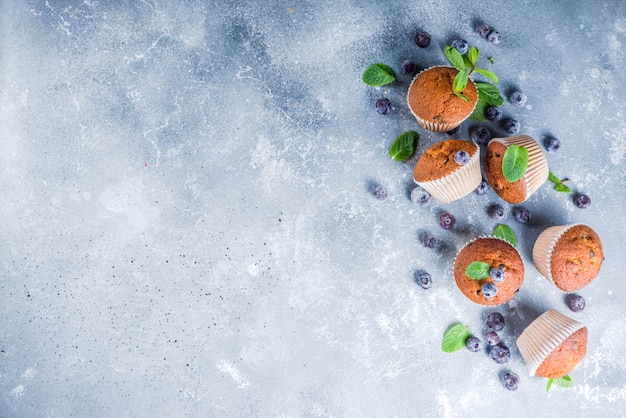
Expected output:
(187, 226)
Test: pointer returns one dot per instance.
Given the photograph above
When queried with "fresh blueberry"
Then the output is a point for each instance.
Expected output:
(453, 131)
(483, 30)
(422, 39)
(447, 220)
(423, 279)
(492, 338)
(521, 215)
(518, 99)
(480, 135)
(582, 201)
(500, 353)
(407, 67)
(575, 303)
(495, 321)
(510, 380)
(380, 193)
(460, 45)
(419, 195)
(429, 240)
(383, 106)
(552, 144)
(483, 187)
(462, 157)
(511, 126)
(496, 212)
(493, 114)
(490, 290)
(494, 37)
(497, 274)
(473, 344)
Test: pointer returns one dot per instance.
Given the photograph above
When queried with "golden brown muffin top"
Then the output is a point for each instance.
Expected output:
(430, 96)
(438, 160)
(511, 192)
(496, 253)
(576, 258)
(565, 357)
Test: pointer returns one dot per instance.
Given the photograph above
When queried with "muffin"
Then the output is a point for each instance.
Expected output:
(552, 345)
(443, 176)
(433, 103)
(536, 172)
(570, 256)
(498, 254)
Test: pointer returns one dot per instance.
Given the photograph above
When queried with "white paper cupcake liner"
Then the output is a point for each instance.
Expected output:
(542, 249)
(457, 184)
(437, 126)
(543, 335)
(537, 171)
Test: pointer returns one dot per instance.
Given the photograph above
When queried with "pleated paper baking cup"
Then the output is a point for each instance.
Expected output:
(544, 245)
(432, 125)
(537, 171)
(457, 184)
(543, 336)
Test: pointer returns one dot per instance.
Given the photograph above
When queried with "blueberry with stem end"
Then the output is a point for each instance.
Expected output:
(493, 114)
(473, 344)
(407, 67)
(480, 135)
(483, 30)
(423, 279)
(552, 144)
(483, 187)
(511, 126)
(447, 220)
(575, 303)
(500, 353)
(492, 338)
(496, 212)
(429, 240)
(461, 157)
(521, 215)
(495, 321)
(380, 193)
(497, 274)
(510, 380)
(494, 37)
(582, 201)
(461, 45)
(383, 106)
(518, 99)
(490, 290)
(420, 195)
(422, 39)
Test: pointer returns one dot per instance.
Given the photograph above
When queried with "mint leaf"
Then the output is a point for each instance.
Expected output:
(491, 76)
(479, 111)
(490, 59)
(404, 146)
(515, 162)
(553, 178)
(489, 93)
(378, 75)
(460, 81)
(477, 270)
(549, 384)
(454, 338)
(455, 57)
(506, 233)
(562, 188)
(564, 382)
(467, 62)
(472, 55)
(461, 95)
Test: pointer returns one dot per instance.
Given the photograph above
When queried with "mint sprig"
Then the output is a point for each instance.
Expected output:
(454, 338)
(377, 75)
(558, 183)
(515, 162)
(563, 382)
(404, 146)
(506, 233)
(477, 270)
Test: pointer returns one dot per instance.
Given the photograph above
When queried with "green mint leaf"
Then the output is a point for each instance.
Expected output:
(553, 178)
(490, 59)
(404, 146)
(462, 96)
(514, 163)
(378, 75)
(460, 81)
(549, 384)
(472, 55)
(478, 114)
(454, 338)
(564, 382)
(491, 76)
(477, 270)
(562, 188)
(467, 62)
(506, 233)
(489, 93)
(455, 57)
